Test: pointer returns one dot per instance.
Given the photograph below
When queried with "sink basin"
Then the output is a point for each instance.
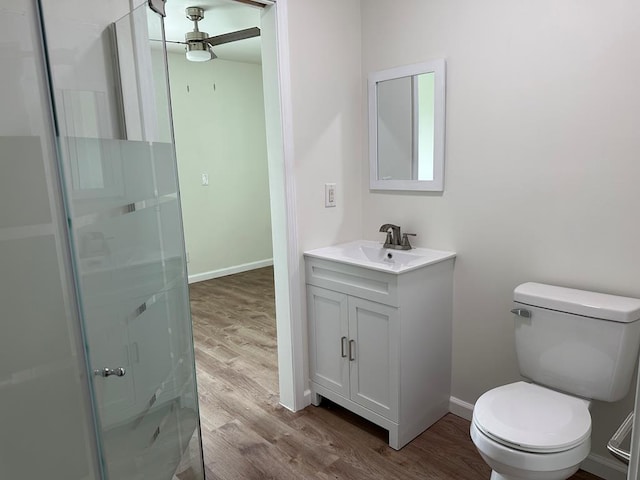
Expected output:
(369, 254)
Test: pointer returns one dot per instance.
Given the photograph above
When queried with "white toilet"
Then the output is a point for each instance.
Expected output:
(574, 346)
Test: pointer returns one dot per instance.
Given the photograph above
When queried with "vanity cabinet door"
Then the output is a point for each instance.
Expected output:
(374, 356)
(328, 339)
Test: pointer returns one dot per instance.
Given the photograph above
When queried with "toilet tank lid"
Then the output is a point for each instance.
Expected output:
(579, 302)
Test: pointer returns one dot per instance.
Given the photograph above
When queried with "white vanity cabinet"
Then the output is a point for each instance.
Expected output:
(352, 348)
(380, 342)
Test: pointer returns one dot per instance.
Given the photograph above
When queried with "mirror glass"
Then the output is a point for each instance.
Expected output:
(406, 127)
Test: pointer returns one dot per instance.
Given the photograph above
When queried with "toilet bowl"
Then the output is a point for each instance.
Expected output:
(572, 345)
(525, 431)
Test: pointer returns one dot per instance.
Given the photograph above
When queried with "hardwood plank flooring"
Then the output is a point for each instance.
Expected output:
(247, 435)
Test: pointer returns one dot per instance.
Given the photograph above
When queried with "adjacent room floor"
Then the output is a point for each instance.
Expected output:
(247, 435)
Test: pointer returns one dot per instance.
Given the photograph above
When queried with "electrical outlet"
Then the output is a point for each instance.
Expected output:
(205, 179)
(329, 195)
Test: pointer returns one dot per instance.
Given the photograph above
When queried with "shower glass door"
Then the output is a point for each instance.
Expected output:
(108, 83)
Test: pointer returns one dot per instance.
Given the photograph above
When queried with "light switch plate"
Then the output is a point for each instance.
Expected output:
(329, 195)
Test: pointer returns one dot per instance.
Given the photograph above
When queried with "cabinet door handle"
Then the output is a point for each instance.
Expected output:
(343, 353)
(352, 350)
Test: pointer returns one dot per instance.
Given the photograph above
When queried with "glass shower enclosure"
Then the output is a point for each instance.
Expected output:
(109, 92)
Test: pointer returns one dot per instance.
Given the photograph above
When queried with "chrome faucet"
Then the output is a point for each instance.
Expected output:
(394, 239)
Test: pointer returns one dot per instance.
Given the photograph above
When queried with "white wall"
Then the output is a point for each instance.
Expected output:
(542, 164)
(219, 124)
(326, 90)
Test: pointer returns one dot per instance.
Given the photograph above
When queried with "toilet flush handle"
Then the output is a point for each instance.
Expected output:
(521, 312)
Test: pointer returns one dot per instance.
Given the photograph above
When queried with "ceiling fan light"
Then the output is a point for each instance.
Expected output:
(199, 52)
(198, 56)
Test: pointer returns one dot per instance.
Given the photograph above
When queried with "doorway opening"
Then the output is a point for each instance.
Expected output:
(221, 144)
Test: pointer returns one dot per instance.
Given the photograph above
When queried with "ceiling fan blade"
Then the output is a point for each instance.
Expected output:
(167, 41)
(233, 36)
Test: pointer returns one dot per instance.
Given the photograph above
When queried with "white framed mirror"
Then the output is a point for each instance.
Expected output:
(406, 127)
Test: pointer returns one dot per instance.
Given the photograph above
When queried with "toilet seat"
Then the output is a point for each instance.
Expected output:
(531, 418)
(523, 465)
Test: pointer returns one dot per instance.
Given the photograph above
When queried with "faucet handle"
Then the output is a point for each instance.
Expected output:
(405, 239)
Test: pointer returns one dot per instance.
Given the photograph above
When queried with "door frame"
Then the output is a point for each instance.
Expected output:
(293, 379)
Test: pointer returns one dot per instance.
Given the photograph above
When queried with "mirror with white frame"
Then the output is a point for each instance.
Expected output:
(406, 127)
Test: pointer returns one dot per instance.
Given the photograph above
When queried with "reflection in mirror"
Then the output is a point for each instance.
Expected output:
(406, 127)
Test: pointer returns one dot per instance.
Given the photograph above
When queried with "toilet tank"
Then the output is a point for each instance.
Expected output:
(579, 342)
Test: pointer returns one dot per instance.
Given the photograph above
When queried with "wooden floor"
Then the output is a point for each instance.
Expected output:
(247, 435)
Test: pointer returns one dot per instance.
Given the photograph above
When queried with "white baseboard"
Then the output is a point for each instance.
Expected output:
(222, 272)
(607, 468)
(461, 408)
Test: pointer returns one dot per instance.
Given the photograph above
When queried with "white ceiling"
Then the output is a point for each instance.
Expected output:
(220, 16)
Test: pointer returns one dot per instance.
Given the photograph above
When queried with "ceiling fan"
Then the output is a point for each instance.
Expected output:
(198, 44)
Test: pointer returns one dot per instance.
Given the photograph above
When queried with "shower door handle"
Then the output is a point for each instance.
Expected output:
(107, 372)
